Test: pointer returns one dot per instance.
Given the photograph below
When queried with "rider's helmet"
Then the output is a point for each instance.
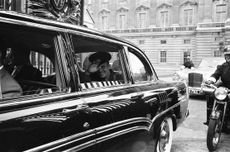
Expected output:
(227, 50)
(227, 53)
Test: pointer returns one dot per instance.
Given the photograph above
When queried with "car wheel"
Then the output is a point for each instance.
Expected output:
(164, 140)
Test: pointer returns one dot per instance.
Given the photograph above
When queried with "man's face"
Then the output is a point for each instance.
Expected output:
(103, 70)
(227, 58)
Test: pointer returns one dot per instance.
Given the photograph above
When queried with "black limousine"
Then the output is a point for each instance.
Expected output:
(51, 102)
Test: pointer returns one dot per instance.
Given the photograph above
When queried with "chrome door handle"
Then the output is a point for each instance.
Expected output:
(76, 109)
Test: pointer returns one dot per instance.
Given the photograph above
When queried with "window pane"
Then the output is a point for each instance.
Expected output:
(104, 22)
(221, 12)
(97, 69)
(142, 20)
(138, 69)
(121, 21)
(163, 55)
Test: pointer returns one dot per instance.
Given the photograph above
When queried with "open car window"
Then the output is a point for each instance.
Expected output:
(99, 63)
(30, 62)
(139, 67)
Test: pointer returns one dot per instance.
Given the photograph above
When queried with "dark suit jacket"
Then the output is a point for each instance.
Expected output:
(10, 87)
(223, 72)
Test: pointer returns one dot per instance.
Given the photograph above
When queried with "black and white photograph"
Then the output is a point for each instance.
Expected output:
(114, 75)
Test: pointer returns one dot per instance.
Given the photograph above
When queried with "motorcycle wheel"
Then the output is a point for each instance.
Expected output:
(214, 133)
(164, 142)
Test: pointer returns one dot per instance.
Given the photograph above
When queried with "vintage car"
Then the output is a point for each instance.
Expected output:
(61, 111)
(195, 76)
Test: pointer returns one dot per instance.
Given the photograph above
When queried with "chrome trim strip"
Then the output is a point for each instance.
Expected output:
(77, 137)
(169, 108)
(64, 141)
(107, 137)
(122, 132)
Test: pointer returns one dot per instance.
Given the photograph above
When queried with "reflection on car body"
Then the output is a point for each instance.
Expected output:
(195, 76)
(62, 112)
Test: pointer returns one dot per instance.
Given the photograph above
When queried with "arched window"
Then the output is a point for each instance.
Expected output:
(164, 15)
(104, 19)
(188, 13)
(142, 16)
(122, 18)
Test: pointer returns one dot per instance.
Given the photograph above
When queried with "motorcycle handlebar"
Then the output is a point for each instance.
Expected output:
(208, 88)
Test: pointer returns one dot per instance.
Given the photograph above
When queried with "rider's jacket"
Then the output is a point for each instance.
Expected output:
(223, 72)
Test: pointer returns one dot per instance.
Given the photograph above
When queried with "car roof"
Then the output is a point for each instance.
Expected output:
(22, 19)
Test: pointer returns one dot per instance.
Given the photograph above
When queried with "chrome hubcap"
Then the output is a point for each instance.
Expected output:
(164, 137)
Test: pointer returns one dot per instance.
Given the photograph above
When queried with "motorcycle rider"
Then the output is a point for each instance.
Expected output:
(223, 73)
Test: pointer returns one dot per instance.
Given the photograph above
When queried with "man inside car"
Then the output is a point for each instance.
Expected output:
(99, 68)
(9, 88)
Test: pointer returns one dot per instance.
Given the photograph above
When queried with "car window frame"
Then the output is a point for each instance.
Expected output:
(63, 86)
(121, 52)
(143, 58)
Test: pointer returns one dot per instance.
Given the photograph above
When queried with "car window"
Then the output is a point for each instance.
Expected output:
(30, 63)
(139, 68)
(99, 63)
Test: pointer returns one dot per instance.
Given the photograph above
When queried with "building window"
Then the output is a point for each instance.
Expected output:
(188, 15)
(122, 21)
(142, 20)
(164, 18)
(104, 21)
(187, 41)
(163, 41)
(2, 4)
(141, 41)
(163, 56)
(217, 53)
(221, 12)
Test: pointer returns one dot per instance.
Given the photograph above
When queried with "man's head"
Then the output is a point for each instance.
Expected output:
(101, 60)
(227, 54)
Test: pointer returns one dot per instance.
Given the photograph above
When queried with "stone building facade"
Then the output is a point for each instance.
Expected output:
(169, 31)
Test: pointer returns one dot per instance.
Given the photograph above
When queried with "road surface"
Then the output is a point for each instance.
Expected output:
(191, 135)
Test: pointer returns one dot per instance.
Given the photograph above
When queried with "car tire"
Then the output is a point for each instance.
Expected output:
(165, 135)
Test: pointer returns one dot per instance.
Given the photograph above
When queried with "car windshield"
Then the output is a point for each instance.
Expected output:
(210, 62)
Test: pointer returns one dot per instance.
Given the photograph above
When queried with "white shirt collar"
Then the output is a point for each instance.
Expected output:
(1, 67)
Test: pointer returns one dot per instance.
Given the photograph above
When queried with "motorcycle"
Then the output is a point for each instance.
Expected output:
(217, 116)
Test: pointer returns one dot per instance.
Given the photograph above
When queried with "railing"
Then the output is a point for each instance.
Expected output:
(211, 25)
(157, 29)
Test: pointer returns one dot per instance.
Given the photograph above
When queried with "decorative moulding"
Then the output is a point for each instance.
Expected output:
(123, 9)
(142, 7)
(104, 10)
(167, 5)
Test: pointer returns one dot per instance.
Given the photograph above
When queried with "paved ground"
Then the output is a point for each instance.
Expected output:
(191, 135)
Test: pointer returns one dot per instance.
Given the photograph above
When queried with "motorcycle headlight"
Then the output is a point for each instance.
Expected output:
(221, 93)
